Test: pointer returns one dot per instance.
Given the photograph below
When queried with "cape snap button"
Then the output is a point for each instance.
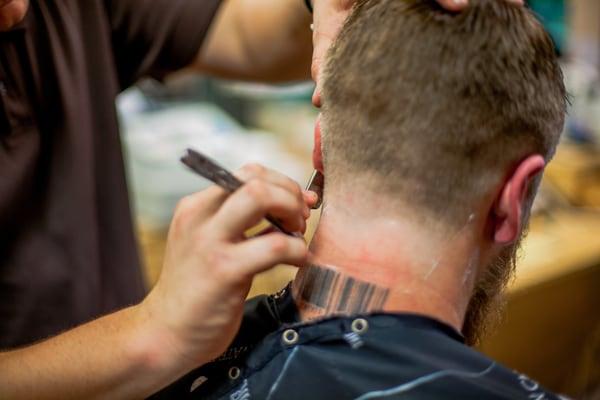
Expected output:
(197, 383)
(234, 373)
(290, 337)
(359, 325)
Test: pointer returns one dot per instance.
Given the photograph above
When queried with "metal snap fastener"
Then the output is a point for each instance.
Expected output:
(290, 337)
(359, 325)
(197, 383)
(234, 373)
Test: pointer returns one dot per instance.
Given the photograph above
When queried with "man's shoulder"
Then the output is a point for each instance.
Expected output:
(378, 356)
(364, 357)
(360, 357)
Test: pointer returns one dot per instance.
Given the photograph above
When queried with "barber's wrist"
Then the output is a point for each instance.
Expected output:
(155, 348)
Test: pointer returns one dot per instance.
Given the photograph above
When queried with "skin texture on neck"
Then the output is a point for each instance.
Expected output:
(367, 262)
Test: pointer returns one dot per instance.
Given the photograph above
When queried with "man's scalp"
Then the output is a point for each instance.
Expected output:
(438, 104)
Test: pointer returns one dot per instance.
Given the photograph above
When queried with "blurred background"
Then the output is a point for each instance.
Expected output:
(551, 330)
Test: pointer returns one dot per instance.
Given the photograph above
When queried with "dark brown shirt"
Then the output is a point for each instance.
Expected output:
(67, 248)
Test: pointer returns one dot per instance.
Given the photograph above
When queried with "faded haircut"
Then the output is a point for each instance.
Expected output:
(435, 108)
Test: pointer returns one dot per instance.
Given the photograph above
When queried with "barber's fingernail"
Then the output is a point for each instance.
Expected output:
(311, 196)
(460, 2)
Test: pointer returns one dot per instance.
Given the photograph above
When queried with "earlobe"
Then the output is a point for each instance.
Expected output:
(510, 202)
(508, 216)
(317, 152)
(316, 97)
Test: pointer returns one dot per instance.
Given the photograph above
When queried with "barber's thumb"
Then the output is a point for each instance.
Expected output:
(310, 198)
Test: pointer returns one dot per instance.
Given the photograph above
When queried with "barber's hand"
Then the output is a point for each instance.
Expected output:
(198, 301)
(329, 16)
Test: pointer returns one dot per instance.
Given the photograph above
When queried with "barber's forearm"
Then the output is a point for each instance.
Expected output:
(118, 357)
(268, 40)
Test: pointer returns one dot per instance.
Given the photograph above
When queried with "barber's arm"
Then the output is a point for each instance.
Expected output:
(191, 315)
(271, 40)
(267, 40)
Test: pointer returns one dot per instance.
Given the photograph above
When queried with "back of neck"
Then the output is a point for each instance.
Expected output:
(385, 265)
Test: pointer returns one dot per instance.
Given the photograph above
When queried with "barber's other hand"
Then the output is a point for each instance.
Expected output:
(329, 16)
(197, 304)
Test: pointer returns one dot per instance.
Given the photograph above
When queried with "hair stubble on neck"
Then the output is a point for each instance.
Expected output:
(436, 123)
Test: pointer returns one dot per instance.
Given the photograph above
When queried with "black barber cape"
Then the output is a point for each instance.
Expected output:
(376, 356)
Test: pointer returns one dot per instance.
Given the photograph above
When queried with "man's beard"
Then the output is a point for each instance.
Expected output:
(486, 304)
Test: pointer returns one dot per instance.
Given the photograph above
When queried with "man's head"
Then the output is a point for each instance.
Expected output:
(445, 116)
(11, 13)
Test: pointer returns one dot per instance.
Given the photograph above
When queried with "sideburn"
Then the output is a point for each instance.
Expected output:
(486, 304)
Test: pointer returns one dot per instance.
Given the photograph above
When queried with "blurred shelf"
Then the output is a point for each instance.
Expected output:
(558, 245)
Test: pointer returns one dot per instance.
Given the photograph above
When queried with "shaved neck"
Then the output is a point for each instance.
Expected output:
(366, 263)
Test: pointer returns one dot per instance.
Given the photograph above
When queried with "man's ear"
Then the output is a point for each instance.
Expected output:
(509, 204)
(317, 152)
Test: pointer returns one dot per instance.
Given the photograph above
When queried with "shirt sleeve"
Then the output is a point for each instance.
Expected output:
(155, 37)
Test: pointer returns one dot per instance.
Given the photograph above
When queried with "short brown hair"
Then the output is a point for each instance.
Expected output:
(438, 106)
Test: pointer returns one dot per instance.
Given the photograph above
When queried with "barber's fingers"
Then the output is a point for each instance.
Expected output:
(195, 208)
(251, 171)
(310, 198)
(453, 5)
(257, 171)
(457, 5)
(252, 202)
(264, 252)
